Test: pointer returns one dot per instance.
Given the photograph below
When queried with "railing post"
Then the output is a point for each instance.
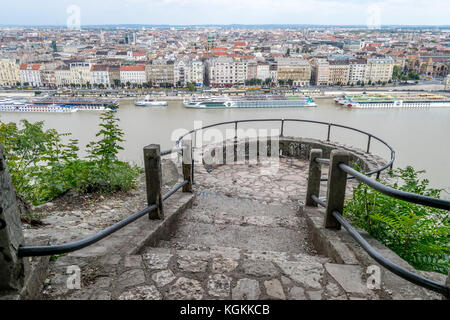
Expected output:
(314, 174)
(187, 165)
(447, 282)
(153, 179)
(282, 128)
(329, 131)
(11, 237)
(368, 144)
(337, 182)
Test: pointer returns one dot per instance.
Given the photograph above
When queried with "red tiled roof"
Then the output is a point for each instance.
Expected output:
(33, 66)
(133, 68)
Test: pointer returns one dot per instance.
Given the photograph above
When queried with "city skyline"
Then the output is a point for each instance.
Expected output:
(229, 12)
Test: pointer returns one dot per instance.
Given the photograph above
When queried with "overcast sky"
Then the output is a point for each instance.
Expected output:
(178, 12)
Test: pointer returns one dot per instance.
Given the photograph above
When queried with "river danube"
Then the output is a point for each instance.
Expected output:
(420, 137)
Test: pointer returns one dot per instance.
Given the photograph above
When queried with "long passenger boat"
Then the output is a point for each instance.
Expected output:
(366, 101)
(82, 104)
(254, 101)
(29, 107)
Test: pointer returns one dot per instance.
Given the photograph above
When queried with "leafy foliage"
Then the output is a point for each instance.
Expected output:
(42, 167)
(418, 234)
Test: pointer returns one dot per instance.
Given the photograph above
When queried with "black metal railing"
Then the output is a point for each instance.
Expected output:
(282, 122)
(28, 251)
(188, 173)
(398, 194)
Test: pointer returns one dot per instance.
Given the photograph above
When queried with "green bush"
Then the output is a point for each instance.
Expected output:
(42, 167)
(418, 234)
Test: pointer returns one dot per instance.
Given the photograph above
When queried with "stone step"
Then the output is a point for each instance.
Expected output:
(248, 237)
(221, 204)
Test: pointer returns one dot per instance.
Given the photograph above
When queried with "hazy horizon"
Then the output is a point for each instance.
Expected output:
(227, 12)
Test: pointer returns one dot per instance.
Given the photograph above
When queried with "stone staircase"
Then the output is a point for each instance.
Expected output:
(232, 248)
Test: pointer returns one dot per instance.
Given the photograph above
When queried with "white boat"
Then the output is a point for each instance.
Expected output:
(376, 101)
(26, 107)
(253, 101)
(149, 102)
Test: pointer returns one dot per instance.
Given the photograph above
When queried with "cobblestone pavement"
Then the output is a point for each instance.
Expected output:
(282, 181)
(243, 239)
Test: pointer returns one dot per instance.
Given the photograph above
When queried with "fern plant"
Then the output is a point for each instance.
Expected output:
(418, 234)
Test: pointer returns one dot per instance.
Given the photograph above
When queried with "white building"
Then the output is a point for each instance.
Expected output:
(63, 76)
(263, 71)
(100, 75)
(9, 72)
(31, 74)
(80, 72)
(357, 70)
(133, 74)
(195, 72)
(226, 71)
(379, 69)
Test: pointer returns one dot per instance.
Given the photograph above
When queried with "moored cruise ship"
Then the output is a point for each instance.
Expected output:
(82, 104)
(255, 101)
(385, 101)
(28, 107)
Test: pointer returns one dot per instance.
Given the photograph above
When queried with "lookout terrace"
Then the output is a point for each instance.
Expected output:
(245, 218)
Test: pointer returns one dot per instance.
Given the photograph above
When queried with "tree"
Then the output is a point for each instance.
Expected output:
(396, 72)
(106, 149)
(191, 86)
(288, 52)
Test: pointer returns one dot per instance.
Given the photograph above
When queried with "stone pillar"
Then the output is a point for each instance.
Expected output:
(12, 272)
(314, 175)
(153, 179)
(337, 182)
(187, 165)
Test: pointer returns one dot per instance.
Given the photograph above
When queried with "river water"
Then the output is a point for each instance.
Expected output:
(420, 137)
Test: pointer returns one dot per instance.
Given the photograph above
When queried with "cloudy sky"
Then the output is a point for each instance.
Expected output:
(180, 12)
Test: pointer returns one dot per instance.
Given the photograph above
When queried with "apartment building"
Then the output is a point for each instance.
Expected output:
(263, 71)
(80, 72)
(338, 72)
(357, 70)
(63, 76)
(379, 69)
(195, 72)
(100, 75)
(296, 69)
(9, 72)
(160, 71)
(114, 74)
(320, 72)
(31, 74)
(223, 71)
(186, 71)
(252, 70)
(133, 74)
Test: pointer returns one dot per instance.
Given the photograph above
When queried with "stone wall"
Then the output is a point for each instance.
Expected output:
(11, 237)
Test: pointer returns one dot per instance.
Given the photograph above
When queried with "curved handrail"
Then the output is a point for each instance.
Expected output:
(394, 193)
(398, 194)
(328, 124)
